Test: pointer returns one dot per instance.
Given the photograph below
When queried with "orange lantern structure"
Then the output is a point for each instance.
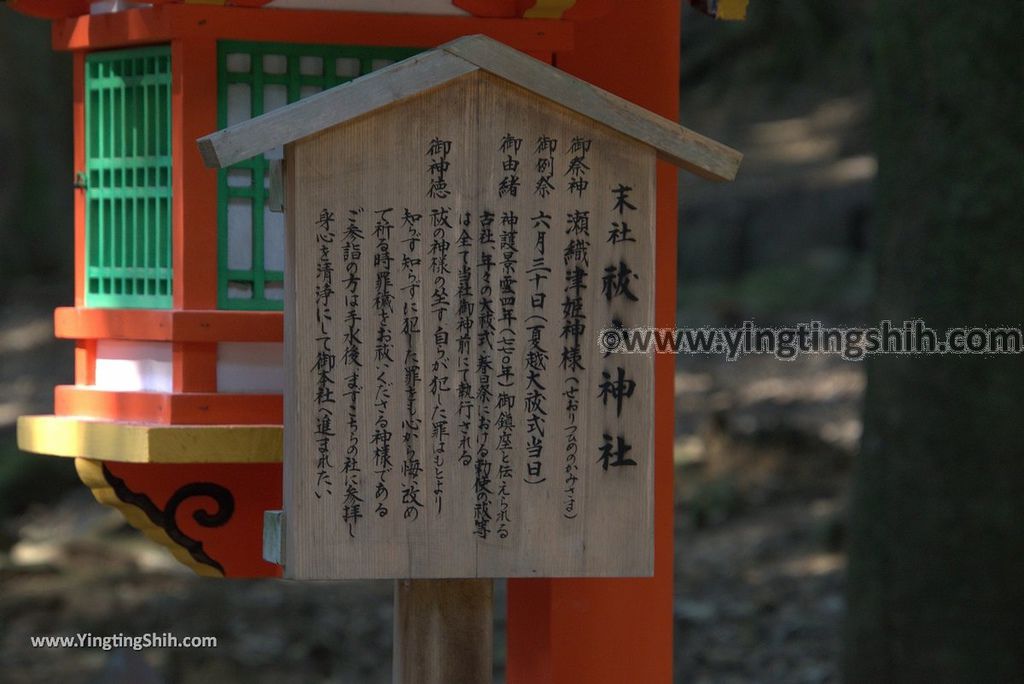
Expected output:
(176, 411)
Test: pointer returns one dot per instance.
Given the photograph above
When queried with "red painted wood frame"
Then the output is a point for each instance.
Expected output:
(559, 630)
(193, 32)
(617, 630)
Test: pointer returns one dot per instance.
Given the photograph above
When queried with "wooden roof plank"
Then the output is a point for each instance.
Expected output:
(674, 143)
(361, 96)
(685, 148)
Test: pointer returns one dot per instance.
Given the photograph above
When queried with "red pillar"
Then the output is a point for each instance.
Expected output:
(194, 219)
(617, 630)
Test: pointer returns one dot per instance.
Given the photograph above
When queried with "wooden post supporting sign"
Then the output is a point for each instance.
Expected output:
(465, 228)
(444, 631)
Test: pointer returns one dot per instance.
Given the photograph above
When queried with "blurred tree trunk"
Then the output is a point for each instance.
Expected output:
(36, 199)
(936, 574)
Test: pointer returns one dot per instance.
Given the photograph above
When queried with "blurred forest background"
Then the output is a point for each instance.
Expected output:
(882, 165)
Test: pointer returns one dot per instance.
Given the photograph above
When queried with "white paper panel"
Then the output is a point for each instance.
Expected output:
(239, 233)
(128, 366)
(250, 367)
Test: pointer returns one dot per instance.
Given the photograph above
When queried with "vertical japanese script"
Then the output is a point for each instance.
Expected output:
(576, 264)
(617, 285)
(451, 273)
(465, 307)
(507, 373)
(441, 329)
(383, 358)
(352, 366)
(483, 483)
(323, 368)
(411, 237)
(535, 400)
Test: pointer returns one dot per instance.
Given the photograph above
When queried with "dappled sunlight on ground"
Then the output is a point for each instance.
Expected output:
(763, 451)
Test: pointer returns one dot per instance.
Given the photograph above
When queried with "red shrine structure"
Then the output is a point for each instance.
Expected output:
(176, 410)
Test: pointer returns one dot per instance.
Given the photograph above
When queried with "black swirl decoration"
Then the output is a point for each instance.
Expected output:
(167, 518)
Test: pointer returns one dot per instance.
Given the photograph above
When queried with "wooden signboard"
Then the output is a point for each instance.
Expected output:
(454, 257)
(460, 228)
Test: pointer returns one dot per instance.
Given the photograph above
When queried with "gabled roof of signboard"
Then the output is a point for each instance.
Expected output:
(674, 143)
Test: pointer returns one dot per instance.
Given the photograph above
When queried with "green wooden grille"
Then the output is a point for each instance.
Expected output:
(128, 178)
(253, 78)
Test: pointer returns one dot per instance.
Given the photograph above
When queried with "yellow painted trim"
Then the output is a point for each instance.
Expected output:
(732, 10)
(140, 443)
(548, 9)
(91, 473)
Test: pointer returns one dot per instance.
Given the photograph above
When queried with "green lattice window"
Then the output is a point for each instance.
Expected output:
(254, 78)
(128, 178)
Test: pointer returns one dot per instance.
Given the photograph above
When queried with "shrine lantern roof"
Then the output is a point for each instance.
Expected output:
(548, 9)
